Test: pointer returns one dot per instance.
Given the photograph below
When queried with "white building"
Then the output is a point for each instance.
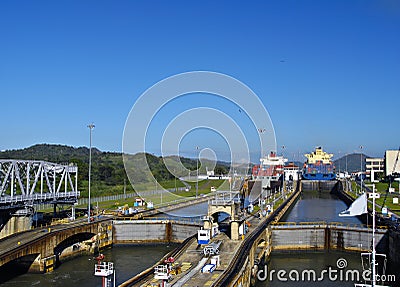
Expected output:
(210, 172)
(292, 171)
(374, 165)
(392, 162)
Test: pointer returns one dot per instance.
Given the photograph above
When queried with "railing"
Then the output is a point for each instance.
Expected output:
(182, 220)
(323, 224)
(38, 197)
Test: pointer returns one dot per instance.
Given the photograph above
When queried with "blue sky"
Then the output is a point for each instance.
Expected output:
(328, 72)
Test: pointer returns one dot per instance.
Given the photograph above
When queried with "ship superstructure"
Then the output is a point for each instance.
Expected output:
(271, 167)
(269, 173)
(319, 166)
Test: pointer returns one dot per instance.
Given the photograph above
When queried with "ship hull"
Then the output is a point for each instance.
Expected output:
(319, 176)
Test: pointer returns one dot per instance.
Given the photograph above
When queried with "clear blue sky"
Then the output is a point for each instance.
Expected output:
(327, 71)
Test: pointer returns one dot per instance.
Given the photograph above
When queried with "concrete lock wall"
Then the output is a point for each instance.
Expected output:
(16, 224)
(298, 239)
(141, 231)
(181, 231)
(134, 231)
(394, 250)
(312, 185)
(355, 240)
(326, 238)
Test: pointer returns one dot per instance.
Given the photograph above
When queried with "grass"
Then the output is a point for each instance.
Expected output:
(204, 188)
(101, 189)
(171, 184)
(382, 189)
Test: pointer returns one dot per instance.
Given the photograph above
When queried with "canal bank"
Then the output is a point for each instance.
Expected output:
(393, 234)
(316, 205)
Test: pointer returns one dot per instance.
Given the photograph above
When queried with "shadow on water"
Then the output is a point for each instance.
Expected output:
(128, 260)
(16, 267)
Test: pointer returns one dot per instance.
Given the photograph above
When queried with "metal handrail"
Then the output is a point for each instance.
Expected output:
(326, 224)
(38, 197)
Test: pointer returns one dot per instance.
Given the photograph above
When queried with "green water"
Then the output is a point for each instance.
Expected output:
(128, 261)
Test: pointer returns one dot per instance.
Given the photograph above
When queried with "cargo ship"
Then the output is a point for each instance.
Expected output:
(270, 172)
(319, 166)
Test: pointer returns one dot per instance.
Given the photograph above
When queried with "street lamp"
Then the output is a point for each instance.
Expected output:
(361, 178)
(197, 170)
(91, 127)
(175, 180)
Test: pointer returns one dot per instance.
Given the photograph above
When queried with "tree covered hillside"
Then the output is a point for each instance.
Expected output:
(353, 162)
(108, 172)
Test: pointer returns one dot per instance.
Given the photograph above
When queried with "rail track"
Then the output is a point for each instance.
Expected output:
(241, 255)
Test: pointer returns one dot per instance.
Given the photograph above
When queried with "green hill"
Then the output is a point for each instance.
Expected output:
(108, 171)
(352, 161)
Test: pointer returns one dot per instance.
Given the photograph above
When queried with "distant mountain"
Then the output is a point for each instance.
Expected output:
(107, 167)
(352, 161)
(50, 152)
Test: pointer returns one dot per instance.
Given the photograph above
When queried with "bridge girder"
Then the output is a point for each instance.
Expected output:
(31, 181)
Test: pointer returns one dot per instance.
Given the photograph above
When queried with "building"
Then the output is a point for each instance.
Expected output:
(374, 166)
(210, 172)
(392, 162)
(292, 171)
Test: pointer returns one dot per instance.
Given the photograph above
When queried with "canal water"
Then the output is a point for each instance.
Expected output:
(129, 260)
(192, 211)
(313, 206)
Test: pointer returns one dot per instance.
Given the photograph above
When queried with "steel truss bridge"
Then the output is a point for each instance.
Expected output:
(24, 183)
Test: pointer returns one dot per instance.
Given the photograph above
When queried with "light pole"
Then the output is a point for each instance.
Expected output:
(91, 127)
(361, 178)
(175, 180)
(197, 170)
(283, 167)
